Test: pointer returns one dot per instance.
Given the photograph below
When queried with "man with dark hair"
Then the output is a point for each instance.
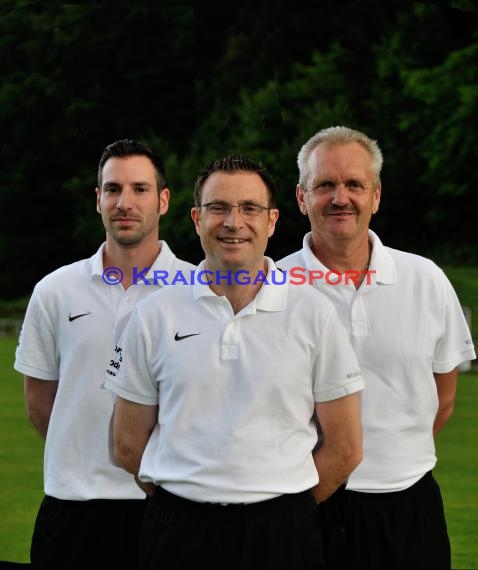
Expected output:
(216, 399)
(129, 147)
(92, 508)
(236, 163)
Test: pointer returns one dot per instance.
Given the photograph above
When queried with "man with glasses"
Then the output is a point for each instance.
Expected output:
(409, 334)
(216, 399)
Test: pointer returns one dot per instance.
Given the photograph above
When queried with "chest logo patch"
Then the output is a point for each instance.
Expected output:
(177, 336)
(72, 318)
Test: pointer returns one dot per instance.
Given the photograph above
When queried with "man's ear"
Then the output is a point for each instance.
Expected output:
(376, 198)
(299, 194)
(98, 194)
(196, 218)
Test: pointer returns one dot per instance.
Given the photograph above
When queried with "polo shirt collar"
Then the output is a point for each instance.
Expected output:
(97, 261)
(381, 260)
(164, 261)
(270, 297)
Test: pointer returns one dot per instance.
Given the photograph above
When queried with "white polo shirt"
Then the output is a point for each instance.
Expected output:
(236, 392)
(69, 332)
(405, 323)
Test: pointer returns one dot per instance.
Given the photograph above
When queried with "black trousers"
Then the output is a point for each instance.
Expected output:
(74, 535)
(278, 534)
(405, 530)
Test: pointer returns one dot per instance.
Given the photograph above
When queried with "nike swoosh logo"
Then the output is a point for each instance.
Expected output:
(70, 318)
(177, 336)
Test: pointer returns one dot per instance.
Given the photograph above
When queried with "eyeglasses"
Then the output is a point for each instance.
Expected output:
(223, 209)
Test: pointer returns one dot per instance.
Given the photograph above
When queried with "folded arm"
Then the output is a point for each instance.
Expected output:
(132, 427)
(39, 398)
(341, 450)
(446, 388)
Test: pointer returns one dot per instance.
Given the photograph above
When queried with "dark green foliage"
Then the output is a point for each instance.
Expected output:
(197, 80)
(76, 77)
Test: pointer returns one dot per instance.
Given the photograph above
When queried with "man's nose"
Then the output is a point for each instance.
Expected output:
(124, 200)
(233, 217)
(340, 195)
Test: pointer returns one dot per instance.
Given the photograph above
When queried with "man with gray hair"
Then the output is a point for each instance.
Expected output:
(409, 333)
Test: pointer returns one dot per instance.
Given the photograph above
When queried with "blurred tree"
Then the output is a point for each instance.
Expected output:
(323, 69)
(198, 79)
(76, 77)
(448, 94)
(406, 106)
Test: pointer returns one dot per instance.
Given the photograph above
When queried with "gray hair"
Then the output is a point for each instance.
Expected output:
(338, 136)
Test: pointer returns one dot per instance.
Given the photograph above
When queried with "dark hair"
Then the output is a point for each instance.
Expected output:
(236, 163)
(128, 147)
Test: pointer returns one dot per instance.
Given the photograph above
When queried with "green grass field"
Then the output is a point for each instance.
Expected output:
(457, 473)
(22, 454)
(465, 282)
(21, 466)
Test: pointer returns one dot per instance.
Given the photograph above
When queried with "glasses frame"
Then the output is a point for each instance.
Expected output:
(229, 208)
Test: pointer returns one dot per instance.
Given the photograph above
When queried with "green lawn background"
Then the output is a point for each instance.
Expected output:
(21, 451)
(457, 473)
(21, 465)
